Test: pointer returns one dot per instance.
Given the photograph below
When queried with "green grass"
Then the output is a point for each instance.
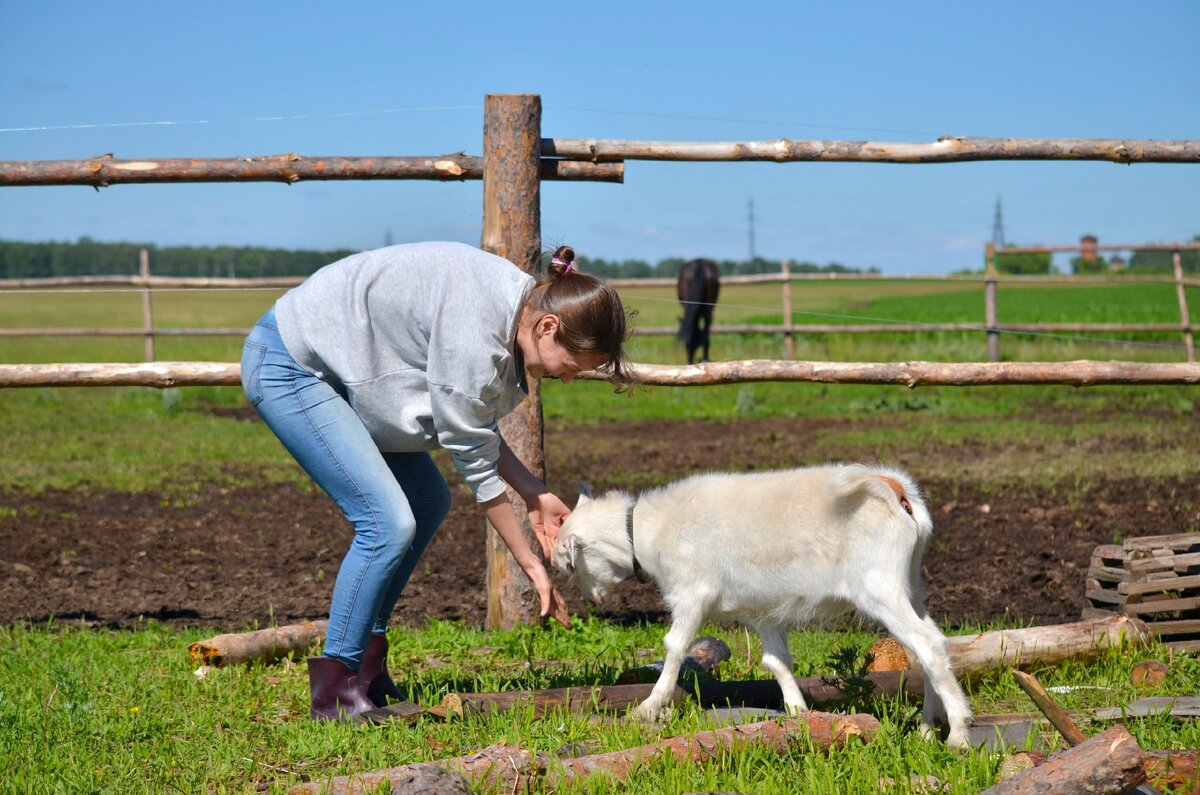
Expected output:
(93, 710)
(101, 711)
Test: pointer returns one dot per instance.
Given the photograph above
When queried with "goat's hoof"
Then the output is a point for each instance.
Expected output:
(959, 739)
(644, 713)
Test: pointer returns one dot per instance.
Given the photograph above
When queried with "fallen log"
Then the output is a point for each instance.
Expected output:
(1173, 771)
(509, 768)
(1110, 762)
(763, 693)
(1081, 640)
(816, 731)
(266, 645)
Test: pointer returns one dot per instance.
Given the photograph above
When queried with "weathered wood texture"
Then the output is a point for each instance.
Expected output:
(986, 651)
(266, 645)
(510, 768)
(947, 149)
(761, 693)
(1110, 763)
(103, 171)
(512, 229)
(912, 374)
(1156, 578)
(1057, 716)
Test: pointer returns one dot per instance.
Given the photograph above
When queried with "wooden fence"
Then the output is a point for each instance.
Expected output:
(788, 329)
(516, 159)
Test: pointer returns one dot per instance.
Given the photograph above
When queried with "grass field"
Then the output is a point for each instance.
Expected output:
(89, 710)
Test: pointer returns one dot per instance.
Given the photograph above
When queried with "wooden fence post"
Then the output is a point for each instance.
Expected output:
(989, 305)
(789, 343)
(512, 229)
(1188, 344)
(147, 311)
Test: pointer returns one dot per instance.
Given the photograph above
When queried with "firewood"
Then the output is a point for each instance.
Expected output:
(1110, 762)
(1018, 763)
(503, 767)
(1054, 713)
(1173, 771)
(1081, 640)
(266, 645)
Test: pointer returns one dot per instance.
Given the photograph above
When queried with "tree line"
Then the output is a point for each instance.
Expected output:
(87, 257)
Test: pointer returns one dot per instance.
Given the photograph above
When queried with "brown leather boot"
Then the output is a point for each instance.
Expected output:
(374, 673)
(336, 692)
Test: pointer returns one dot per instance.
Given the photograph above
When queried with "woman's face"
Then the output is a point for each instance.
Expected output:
(546, 358)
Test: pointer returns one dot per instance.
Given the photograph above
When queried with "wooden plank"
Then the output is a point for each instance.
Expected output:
(1108, 597)
(1184, 645)
(1181, 627)
(1108, 573)
(1157, 584)
(1179, 562)
(1159, 606)
(1172, 541)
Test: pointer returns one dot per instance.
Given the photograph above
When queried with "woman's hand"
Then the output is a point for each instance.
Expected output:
(500, 514)
(553, 603)
(546, 515)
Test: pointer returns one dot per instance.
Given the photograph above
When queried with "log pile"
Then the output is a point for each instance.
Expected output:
(1155, 578)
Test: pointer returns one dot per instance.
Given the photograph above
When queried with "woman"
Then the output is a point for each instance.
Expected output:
(382, 356)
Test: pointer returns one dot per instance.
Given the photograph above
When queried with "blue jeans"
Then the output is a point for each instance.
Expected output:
(396, 501)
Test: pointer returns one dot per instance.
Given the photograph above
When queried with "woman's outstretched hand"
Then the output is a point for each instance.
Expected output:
(553, 603)
(546, 515)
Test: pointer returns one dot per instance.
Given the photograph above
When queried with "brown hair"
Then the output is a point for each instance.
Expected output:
(591, 317)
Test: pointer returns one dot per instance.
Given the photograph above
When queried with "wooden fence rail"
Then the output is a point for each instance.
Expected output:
(911, 374)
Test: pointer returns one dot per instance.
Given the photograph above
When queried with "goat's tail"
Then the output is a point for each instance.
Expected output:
(891, 484)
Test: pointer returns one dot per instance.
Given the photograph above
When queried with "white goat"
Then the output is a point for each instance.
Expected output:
(771, 550)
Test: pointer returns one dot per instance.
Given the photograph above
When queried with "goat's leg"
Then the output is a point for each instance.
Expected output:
(929, 644)
(777, 658)
(684, 626)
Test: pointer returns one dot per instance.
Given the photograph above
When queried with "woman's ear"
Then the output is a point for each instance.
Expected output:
(547, 324)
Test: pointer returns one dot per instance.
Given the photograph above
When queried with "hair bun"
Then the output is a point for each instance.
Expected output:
(562, 261)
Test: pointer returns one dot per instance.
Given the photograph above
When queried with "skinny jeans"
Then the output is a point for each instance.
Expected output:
(395, 501)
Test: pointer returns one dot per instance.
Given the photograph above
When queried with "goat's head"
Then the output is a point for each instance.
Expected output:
(590, 546)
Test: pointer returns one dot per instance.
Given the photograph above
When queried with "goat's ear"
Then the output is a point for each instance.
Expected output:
(574, 547)
(585, 493)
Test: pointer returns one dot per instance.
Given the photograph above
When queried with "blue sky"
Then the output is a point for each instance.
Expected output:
(375, 78)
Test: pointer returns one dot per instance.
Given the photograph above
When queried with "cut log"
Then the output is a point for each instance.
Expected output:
(510, 768)
(1148, 674)
(817, 731)
(1110, 762)
(1081, 640)
(266, 645)
(1173, 771)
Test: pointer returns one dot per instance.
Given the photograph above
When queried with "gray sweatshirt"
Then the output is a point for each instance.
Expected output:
(421, 339)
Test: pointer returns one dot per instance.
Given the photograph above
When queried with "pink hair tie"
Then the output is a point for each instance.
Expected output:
(567, 266)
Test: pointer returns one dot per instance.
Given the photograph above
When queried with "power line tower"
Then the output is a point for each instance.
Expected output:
(998, 226)
(750, 218)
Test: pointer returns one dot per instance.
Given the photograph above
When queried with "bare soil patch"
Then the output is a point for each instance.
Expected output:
(233, 557)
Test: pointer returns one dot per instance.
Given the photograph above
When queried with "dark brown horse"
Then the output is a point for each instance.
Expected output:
(698, 287)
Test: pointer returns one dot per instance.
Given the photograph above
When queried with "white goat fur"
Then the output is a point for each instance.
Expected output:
(772, 550)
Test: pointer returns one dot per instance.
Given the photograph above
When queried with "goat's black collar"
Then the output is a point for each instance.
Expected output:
(638, 571)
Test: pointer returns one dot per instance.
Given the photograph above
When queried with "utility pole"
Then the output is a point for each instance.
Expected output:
(753, 255)
(998, 227)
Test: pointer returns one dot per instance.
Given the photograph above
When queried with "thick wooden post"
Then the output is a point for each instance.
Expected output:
(1188, 344)
(989, 305)
(789, 343)
(147, 311)
(512, 228)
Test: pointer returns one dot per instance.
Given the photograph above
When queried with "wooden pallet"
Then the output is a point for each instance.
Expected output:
(1154, 578)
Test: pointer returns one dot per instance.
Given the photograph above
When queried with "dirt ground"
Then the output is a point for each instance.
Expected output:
(227, 558)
